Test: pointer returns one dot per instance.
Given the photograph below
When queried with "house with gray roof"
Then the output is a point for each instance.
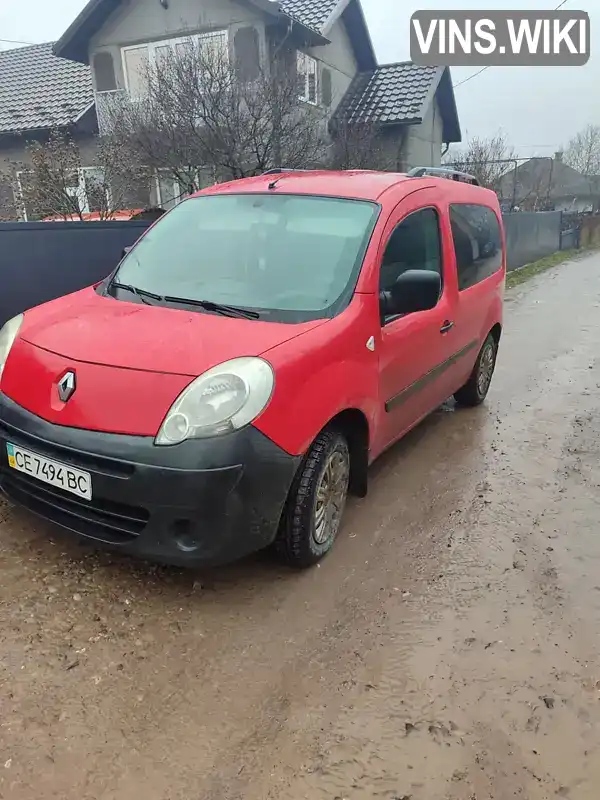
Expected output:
(546, 183)
(100, 58)
(40, 92)
(337, 68)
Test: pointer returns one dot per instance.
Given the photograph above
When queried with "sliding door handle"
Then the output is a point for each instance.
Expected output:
(447, 326)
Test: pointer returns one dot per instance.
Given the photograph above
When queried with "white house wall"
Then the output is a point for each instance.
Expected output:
(423, 143)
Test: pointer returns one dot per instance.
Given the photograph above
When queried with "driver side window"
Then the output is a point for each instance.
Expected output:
(414, 244)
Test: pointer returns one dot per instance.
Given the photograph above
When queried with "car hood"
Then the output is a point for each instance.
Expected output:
(90, 328)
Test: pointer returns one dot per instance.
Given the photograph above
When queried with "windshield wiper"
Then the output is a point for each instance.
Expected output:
(218, 308)
(208, 305)
(141, 293)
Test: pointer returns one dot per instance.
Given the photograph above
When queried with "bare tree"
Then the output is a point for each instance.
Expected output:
(52, 181)
(583, 151)
(198, 110)
(487, 159)
(358, 145)
(40, 184)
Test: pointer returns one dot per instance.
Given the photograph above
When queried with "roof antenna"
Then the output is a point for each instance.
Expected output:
(273, 184)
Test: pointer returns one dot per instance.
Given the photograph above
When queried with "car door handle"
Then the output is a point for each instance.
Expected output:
(447, 326)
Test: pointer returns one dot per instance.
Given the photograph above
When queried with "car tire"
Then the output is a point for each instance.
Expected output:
(315, 506)
(475, 390)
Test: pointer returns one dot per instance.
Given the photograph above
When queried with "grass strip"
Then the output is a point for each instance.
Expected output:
(522, 274)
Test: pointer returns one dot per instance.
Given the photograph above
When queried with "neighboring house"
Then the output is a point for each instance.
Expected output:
(334, 57)
(550, 184)
(40, 92)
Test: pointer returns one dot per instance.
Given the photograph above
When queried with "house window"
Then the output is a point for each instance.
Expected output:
(169, 191)
(104, 72)
(138, 60)
(94, 189)
(247, 54)
(307, 79)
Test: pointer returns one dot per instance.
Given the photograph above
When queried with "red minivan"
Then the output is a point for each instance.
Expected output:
(233, 379)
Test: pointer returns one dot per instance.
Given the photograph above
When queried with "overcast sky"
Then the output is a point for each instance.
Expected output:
(538, 108)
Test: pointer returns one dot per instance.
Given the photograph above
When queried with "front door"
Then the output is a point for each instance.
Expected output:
(416, 349)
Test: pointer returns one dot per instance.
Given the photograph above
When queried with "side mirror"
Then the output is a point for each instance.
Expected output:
(125, 251)
(414, 290)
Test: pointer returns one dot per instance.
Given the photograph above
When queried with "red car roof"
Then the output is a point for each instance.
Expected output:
(358, 184)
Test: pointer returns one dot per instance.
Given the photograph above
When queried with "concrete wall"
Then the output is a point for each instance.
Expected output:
(141, 21)
(531, 236)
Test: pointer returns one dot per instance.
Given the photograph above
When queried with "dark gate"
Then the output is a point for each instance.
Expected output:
(40, 261)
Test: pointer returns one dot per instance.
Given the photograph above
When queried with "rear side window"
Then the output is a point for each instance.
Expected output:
(477, 243)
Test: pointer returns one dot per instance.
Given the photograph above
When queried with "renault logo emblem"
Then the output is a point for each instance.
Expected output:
(66, 386)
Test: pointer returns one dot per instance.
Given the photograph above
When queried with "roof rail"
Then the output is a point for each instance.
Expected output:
(443, 172)
(281, 170)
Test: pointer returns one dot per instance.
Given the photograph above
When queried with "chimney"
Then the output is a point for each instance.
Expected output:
(558, 156)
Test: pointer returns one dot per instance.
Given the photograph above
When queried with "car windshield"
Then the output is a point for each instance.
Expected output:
(288, 257)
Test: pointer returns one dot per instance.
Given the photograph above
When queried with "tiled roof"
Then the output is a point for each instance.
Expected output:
(39, 90)
(391, 93)
(311, 13)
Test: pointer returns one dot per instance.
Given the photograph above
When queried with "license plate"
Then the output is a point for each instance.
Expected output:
(48, 471)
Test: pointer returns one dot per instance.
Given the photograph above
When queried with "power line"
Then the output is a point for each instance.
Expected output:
(483, 69)
(470, 78)
(15, 41)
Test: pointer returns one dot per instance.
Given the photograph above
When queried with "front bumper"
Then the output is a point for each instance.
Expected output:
(202, 502)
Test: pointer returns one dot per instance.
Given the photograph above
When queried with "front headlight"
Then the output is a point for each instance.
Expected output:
(224, 399)
(8, 334)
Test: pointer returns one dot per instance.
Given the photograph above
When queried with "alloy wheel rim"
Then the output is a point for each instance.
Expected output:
(486, 370)
(331, 497)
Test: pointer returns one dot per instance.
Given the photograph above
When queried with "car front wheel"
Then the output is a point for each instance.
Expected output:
(314, 509)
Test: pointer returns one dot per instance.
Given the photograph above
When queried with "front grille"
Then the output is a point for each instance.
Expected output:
(66, 455)
(99, 519)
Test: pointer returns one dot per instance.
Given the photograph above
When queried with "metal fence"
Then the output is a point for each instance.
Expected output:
(40, 261)
(570, 239)
(531, 236)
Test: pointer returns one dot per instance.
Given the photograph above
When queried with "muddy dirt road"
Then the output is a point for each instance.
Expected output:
(448, 650)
